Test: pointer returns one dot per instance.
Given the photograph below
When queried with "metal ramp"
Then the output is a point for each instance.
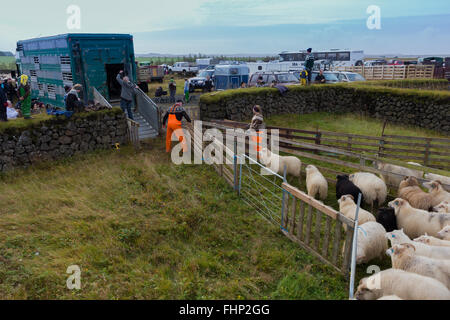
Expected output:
(147, 116)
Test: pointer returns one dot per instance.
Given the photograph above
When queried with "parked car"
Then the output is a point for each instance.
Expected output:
(184, 68)
(330, 77)
(373, 63)
(198, 82)
(348, 76)
(284, 78)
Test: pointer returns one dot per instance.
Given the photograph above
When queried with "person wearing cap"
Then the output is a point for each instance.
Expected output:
(24, 94)
(127, 94)
(309, 64)
(172, 119)
(3, 103)
(172, 90)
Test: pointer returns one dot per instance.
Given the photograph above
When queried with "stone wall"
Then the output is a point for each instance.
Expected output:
(59, 137)
(420, 108)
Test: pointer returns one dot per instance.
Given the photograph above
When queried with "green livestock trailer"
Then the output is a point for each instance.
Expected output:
(92, 60)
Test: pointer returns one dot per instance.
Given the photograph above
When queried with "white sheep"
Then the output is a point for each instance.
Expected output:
(390, 298)
(418, 222)
(432, 241)
(316, 183)
(443, 207)
(372, 242)
(278, 163)
(444, 234)
(445, 180)
(348, 207)
(438, 192)
(399, 237)
(405, 285)
(399, 173)
(403, 257)
(372, 187)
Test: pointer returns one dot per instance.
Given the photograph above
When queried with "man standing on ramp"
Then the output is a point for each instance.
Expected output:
(173, 118)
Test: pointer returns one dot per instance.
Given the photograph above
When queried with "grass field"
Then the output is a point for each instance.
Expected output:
(7, 63)
(347, 123)
(142, 228)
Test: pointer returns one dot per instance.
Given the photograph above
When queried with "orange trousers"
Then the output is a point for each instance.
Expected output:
(174, 126)
(258, 140)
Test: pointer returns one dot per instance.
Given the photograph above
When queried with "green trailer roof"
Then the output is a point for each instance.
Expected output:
(81, 36)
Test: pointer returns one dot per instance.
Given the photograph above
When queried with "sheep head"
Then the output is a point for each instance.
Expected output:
(444, 233)
(424, 239)
(343, 177)
(397, 236)
(399, 204)
(409, 182)
(403, 249)
(368, 290)
(346, 199)
(433, 186)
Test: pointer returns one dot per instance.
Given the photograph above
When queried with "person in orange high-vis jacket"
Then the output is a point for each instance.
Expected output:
(173, 118)
(258, 125)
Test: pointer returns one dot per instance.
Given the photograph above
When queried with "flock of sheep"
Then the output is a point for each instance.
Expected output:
(420, 267)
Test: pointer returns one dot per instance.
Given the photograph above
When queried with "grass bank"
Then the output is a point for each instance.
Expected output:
(142, 228)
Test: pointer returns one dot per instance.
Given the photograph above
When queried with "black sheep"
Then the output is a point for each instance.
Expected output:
(386, 217)
(345, 187)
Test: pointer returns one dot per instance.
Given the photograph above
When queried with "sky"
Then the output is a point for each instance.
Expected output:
(240, 26)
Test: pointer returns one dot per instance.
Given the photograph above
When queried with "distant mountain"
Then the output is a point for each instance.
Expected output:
(6, 54)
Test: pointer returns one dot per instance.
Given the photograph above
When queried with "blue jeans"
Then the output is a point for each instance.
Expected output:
(126, 107)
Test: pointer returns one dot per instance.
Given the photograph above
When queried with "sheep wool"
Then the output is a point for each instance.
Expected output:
(443, 207)
(404, 258)
(409, 190)
(316, 183)
(398, 173)
(277, 163)
(405, 285)
(372, 242)
(438, 192)
(399, 237)
(418, 222)
(444, 234)
(445, 180)
(432, 241)
(348, 207)
(373, 188)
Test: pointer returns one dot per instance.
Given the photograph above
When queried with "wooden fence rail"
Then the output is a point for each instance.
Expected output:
(430, 152)
(319, 229)
(392, 72)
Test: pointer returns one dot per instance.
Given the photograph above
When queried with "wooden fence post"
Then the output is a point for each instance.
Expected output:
(427, 152)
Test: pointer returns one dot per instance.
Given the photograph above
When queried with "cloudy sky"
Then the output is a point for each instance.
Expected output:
(241, 26)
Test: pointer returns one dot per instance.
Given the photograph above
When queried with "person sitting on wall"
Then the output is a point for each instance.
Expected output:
(320, 79)
(11, 112)
(243, 85)
(73, 102)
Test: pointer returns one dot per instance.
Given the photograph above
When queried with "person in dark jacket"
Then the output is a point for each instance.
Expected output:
(320, 78)
(208, 84)
(3, 104)
(73, 102)
(309, 64)
(127, 94)
(172, 90)
(172, 119)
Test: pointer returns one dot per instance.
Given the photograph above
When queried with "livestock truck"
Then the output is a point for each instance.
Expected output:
(92, 60)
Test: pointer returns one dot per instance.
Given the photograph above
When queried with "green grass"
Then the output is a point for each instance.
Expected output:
(142, 228)
(347, 123)
(7, 63)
